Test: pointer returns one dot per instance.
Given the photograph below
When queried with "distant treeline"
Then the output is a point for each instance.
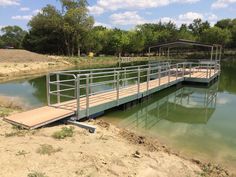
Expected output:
(71, 31)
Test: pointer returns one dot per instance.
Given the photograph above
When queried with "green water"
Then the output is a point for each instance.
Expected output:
(200, 122)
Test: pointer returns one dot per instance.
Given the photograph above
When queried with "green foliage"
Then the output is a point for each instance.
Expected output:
(60, 32)
(36, 174)
(5, 111)
(63, 133)
(216, 35)
(12, 36)
(46, 149)
(70, 31)
(197, 27)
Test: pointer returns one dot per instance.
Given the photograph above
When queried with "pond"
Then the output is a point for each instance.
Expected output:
(194, 121)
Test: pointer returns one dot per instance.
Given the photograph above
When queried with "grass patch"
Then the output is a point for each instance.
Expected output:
(36, 174)
(64, 133)
(46, 149)
(21, 153)
(20, 132)
(5, 112)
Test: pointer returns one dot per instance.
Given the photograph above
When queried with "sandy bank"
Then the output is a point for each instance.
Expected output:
(19, 63)
(108, 152)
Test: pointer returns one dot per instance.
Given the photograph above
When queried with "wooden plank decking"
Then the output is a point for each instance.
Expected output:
(45, 115)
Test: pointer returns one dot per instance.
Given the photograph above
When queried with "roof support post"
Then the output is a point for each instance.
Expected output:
(168, 53)
(212, 50)
(216, 57)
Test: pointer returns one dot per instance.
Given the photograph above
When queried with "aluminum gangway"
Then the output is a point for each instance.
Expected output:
(87, 93)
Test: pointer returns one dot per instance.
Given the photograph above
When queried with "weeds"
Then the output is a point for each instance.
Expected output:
(63, 133)
(36, 174)
(46, 149)
(21, 153)
(5, 112)
(20, 131)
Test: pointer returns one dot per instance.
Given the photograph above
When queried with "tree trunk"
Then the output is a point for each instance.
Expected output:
(78, 51)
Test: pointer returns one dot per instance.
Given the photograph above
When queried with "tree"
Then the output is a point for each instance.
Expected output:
(2, 44)
(216, 35)
(45, 34)
(61, 32)
(76, 23)
(136, 42)
(197, 27)
(12, 36)
(184, 33)
(233, 33)
(225, 24)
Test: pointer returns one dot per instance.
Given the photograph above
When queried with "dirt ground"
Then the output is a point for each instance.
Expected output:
(108, 152)
(17, 63)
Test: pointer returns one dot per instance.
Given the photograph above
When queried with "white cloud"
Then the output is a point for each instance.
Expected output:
(133, 18)
(95, 10)
(105, 5)
(9, 2)
(24, 9)
(36, 11)
(190, 16)
(103, 24)
(21, 17)
(218, 4)
(127, 18)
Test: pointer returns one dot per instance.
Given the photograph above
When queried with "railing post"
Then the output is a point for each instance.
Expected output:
(78, 95)
(87, 94)
(215, 65)
(125, 76)
(58, 89)
(117, 87)
(148, 78)
(48, 89)
(177, 67)
(159, 75)
(190, 70)
(183, 69)
(210, 70)
(207, 70)
(138, 81)
(169, 75)
(91, 81)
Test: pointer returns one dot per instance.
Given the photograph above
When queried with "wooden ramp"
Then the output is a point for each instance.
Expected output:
(42, 116)
(38, 117)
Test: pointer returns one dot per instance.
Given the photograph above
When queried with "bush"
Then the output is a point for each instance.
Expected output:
(46, 149)
(36, 174)
(63, 133)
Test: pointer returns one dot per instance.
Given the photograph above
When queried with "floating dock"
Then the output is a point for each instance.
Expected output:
(84, 93)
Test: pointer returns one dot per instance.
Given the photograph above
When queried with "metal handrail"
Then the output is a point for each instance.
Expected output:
(85, 82)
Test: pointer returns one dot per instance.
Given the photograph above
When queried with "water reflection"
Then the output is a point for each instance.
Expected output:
(185, 105)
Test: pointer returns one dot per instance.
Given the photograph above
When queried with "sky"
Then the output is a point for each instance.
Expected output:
(125, 14)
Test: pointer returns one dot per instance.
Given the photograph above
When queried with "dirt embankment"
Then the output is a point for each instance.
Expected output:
(64, 150)
(18, 63)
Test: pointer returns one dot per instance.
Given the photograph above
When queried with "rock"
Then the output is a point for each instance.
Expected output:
(137, 154)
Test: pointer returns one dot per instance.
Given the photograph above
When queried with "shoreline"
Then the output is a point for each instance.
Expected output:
(111, 151)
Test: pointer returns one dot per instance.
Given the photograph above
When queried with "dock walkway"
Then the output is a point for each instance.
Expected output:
(90, 92)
